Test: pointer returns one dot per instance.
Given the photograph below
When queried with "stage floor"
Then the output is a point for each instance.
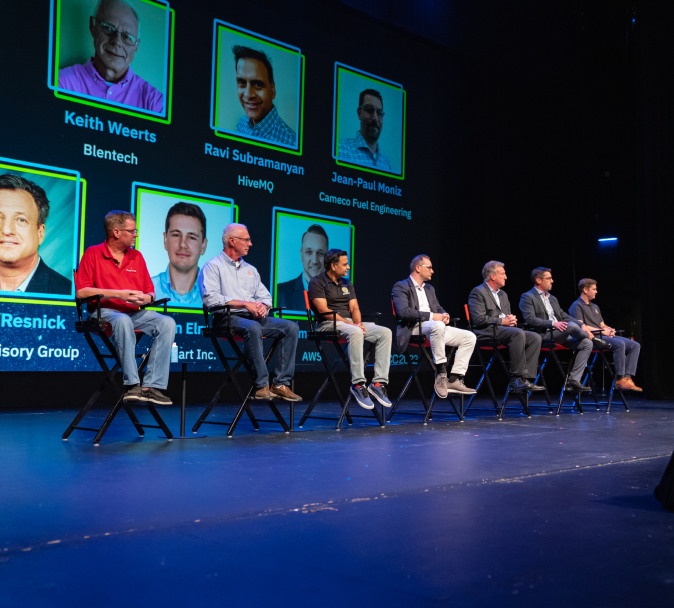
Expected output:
(548, 511)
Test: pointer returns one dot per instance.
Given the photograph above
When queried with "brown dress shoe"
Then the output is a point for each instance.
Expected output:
(634, 386)
(285, 393)
(624, 384)
(263, 393)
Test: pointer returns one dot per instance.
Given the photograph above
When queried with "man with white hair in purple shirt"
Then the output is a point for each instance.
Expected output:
(108, 75)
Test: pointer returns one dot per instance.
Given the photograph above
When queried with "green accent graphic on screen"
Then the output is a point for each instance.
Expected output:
(288, 84)
(392, 105)
(167, 69)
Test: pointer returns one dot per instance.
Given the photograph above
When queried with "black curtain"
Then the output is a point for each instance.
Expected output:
(654, 32)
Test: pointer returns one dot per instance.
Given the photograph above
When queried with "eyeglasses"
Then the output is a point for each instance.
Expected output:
(427, 266)
(248, 240)
(134, 232)
(372, 110)
(110, 31)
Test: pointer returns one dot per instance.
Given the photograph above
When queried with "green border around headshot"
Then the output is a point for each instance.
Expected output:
(78, 226)
(138, 188)
(54, 47)
(215, 86)
(277, 212)
(340, 67)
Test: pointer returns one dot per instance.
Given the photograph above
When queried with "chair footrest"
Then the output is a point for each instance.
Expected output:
(150, 426)
(320, 418)
(274, 421)
(85, 428)
(409, 413)
(215, 422)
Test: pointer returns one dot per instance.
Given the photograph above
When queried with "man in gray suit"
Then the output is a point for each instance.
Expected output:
(542, 311)
(414, 298)
(489, 304)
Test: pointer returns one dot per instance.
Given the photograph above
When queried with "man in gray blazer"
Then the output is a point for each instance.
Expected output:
(414, 298)
(542, 311)
(488, 304)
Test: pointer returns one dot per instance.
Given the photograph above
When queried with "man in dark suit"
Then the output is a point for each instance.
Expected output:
(542, 311)
(24, 208)
(313, 248)
(414, 298)
(489, 304)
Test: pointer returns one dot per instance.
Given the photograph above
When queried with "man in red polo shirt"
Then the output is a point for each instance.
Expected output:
(117, 271)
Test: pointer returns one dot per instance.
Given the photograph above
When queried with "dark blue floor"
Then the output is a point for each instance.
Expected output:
(546, 511)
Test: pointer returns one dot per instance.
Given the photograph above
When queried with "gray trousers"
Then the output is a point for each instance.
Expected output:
(575, 339)
(379, 336)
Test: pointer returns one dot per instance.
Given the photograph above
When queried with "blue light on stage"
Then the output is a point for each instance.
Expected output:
(608, 242)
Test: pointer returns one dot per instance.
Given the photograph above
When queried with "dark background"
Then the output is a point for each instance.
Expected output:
(533, 130)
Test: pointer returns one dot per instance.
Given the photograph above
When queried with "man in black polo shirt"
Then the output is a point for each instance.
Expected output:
(625, 351)
(331, 290)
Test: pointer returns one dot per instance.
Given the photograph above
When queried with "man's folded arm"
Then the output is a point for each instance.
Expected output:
(529, 313)
(477, 308)
(406, 312)
(210, 287)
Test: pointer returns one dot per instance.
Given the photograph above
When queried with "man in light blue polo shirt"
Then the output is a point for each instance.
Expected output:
(227, 279)
(185, 242)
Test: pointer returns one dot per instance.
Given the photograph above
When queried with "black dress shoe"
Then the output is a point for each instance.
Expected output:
(517, 384)
(600, 344)
(535, 387)
(574, 386)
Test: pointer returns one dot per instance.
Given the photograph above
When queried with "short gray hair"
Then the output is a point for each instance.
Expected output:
(416, 261)
(229, 231)
(103, 4)
(116, 219)
(490, 268)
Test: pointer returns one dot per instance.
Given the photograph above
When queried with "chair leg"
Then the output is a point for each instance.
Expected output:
(108, 421)
(159, 420)
(485, 369)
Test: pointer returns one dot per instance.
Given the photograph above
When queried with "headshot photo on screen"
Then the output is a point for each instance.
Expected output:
(258, 89)
(369, 131)
(114, 50)
(176, 236)
(301, 245)
(37, 234)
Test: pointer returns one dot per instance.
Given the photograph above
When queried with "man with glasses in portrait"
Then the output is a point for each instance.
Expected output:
(108, 75)
(115, 270)
(364, 149)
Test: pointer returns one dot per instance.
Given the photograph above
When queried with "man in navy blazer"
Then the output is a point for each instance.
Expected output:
(489, 304)
(542, 311)
(414, 298)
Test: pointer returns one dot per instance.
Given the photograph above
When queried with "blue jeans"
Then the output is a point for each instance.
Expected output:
(253, 330)
(625, 354)
(159, 327)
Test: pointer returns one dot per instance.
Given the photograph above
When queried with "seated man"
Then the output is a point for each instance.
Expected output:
(185, 242)
(542, 311)
(117, 271)
(227, 279)
(331, 290)
(414, 298)
(108, 74)
(625, 351)
(488, 304)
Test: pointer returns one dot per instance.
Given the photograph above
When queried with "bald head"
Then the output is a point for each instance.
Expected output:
(104, 6)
